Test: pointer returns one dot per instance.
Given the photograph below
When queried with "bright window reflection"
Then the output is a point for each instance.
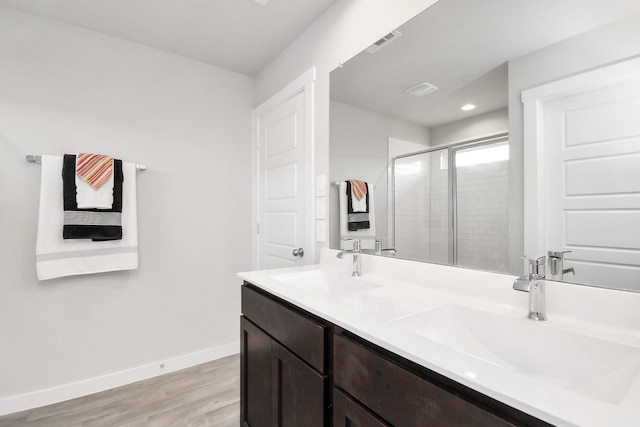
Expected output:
(444, 160)
(484, 154)
(409, 168)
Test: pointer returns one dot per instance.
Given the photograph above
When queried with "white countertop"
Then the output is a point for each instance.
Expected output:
(385, 306)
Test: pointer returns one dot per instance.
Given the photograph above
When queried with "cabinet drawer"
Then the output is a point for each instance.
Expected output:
(302, 335)
(399, 396)
(347, 413)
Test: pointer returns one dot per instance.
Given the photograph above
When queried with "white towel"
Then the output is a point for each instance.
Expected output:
(366, 235)
(89, 198)
(57, 257)
(358, 205)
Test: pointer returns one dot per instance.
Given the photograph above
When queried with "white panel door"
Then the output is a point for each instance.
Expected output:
(592, 183)
(281, 183)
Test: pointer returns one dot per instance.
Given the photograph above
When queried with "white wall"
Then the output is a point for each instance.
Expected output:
(348, 27)
(359, 150)
(482, 125)
(593, 49)
(64, 90)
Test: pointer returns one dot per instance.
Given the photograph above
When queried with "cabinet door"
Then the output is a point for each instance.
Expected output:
(255, 372)
(298, 392)
(277, 388)
(347, 413)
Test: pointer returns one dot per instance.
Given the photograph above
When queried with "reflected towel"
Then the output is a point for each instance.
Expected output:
(358, 195)
(357, 219)
(57, 257)
(366, 235)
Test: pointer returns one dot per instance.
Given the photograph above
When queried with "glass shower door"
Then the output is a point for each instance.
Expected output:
(421, 206)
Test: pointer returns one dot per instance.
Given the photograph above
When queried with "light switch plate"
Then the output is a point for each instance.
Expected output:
(321, 231)
(321, 185)
(320, 207)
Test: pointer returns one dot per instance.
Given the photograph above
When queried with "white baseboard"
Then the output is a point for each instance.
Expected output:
(64, 392)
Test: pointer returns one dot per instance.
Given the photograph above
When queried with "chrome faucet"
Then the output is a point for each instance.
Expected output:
(357, 264)
(392, 251)
(556, 265)
(534, 284)
(380, 251)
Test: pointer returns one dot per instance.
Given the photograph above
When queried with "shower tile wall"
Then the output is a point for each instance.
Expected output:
(483, 216)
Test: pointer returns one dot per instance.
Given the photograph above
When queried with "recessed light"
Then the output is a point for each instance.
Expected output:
(468, 107)
(262, 2)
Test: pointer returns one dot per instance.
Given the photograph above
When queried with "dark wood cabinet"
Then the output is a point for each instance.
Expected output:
(300, 370)
(255, 370)
(304, 336)
(348, 413)
(278, 386)
(399, 396)
(298, 392)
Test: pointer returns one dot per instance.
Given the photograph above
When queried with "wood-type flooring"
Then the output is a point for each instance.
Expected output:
(200, 396)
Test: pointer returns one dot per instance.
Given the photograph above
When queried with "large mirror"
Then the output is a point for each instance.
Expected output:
(431, 118)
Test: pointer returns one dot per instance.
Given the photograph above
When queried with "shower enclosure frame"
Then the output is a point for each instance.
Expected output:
(451, 150)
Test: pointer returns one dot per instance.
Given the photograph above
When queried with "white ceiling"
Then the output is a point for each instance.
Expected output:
(238, 35)
(458, 45)
(461, 46)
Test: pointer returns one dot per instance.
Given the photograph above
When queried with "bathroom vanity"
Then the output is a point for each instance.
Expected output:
(297, 367)
(412, 344)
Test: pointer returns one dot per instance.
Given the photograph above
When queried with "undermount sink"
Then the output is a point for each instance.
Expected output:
(323, 282)
(586, 365)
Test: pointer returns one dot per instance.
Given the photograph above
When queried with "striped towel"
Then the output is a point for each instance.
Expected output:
(94, 169)
(358, 195)
(358, 188)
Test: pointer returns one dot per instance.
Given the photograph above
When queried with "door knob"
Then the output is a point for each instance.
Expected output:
(298, 252)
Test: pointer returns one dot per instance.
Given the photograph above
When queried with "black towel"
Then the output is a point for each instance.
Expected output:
(94, 224)
(357, 220)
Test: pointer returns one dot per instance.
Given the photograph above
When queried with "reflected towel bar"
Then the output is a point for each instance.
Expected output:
(31, 158)
(337, 184)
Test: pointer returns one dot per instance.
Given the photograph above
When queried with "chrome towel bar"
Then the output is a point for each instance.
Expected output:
(32, 158)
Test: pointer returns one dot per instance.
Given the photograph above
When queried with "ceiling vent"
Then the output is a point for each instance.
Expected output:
(422, 89)
(384, 41)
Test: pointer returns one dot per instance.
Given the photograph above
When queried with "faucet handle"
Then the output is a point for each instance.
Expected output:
(557, 254)
(536, 265)
(537, 261)
(356, 244)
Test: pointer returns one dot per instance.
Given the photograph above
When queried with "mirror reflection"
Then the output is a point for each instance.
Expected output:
(431, 118)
